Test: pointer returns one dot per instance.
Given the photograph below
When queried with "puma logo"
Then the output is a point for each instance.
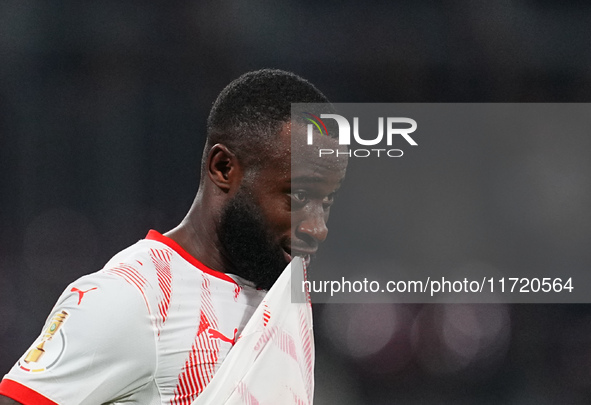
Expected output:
(214, 334)
(81, 293)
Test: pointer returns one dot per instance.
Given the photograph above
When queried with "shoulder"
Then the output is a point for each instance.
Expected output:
(140, 266)
(123, 287)
(98, 343)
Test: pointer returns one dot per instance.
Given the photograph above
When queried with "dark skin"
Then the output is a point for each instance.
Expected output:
(295, 196)
(7, 401)
(295, 200)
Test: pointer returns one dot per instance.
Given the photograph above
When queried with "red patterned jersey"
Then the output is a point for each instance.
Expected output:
(152, 327)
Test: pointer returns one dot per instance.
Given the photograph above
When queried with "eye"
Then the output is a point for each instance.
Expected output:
(299, 197)
(328, 200)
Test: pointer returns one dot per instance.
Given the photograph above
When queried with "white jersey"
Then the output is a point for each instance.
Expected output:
(273, 361)
(152, 327)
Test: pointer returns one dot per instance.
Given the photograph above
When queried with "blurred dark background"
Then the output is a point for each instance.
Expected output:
(102, 116)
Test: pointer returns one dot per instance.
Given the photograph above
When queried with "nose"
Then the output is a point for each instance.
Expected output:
(313, 228)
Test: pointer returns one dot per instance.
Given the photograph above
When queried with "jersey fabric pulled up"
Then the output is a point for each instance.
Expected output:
(273, 361)
(152, 328)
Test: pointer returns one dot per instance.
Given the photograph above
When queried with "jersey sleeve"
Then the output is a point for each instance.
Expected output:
(97, 346)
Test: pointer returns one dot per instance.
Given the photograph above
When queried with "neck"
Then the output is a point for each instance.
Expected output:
(197, 234)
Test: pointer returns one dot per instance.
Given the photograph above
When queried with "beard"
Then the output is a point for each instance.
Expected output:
(247, 244)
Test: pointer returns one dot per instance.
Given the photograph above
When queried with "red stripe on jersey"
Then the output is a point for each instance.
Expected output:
(287, 345)
(132, 276)
(308, 342)
(157, 236)
(201, 363)
(237, 290)
(161, 260)
(267, 335)
(246, 395)
(308, 298)
(297, 400)
(266, 315)
(23, 394)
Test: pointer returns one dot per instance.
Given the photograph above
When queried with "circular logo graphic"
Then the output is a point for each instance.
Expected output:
(48, 349)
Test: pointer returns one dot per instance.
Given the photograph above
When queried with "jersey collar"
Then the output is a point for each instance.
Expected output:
(157, 236)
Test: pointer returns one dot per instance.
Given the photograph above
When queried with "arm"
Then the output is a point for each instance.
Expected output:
(109, 351)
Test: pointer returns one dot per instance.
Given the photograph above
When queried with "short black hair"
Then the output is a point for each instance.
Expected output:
(251, 110)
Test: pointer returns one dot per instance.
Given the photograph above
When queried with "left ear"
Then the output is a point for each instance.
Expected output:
(223, 168)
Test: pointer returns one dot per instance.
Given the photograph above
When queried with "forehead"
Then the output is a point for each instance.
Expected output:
(294, 160)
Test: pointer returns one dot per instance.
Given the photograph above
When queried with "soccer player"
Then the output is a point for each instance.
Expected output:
(155, 324)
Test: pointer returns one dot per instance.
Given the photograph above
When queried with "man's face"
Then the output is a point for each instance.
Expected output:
(281, 210)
